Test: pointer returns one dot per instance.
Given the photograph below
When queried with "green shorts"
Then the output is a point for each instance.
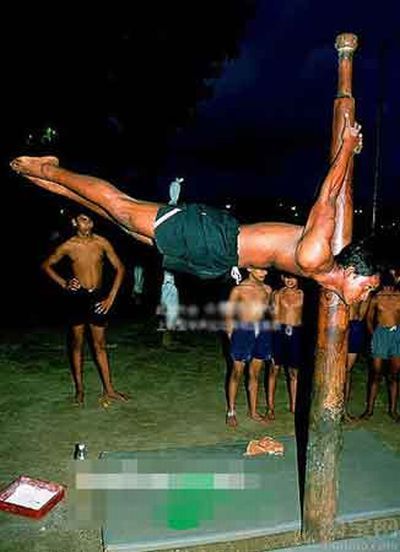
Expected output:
(386, 342)
(197, 239)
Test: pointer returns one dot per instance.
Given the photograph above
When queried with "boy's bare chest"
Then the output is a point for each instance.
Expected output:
(389, 303)
(291, 300)
(86, 253)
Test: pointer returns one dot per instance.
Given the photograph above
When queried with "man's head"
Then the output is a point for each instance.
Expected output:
(396, 274)
(83, 224)
(289, 280)
(257, 274)
(361, 274)
(387, 279)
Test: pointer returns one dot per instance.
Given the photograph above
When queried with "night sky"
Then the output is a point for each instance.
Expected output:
(234, 95)
(266, 130)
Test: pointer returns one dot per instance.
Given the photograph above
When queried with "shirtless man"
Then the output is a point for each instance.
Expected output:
(288, 312)
(385, 345)
(250, 336)
(88, 303)
(357, 331)
(209, 242)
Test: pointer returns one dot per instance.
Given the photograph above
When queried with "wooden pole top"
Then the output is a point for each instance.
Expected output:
(346, 44)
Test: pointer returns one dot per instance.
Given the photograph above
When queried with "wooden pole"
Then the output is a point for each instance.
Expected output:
(327, 403)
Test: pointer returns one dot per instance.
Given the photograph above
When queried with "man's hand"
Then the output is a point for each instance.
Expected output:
(73, 284)
(351, 135)
(102, 307)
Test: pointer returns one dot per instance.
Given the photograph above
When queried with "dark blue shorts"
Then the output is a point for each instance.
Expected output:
(248, 343)
(288, 346)
(81, 307)
(356, 336)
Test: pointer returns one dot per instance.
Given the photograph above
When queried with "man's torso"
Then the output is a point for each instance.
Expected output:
(290, 306)
(87, 257)
(269, 244)
(253, 302)
(388, 308)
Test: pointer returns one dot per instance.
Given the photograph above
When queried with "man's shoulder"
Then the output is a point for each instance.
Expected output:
(248, 284)
(388, 293)
(101, 240)
(278, 292)
(245, 286)
(68, 243)
(244, 283)
(287, 291)
(392, 296)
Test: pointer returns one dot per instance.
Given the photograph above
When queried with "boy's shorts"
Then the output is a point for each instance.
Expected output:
(251, 341)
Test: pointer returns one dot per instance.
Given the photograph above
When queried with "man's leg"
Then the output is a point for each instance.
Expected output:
(65, 192)
(294, 356)
(272, 377)
(394, 387)
(255, 367)
(234, 380)
(133, 215)
(61, 190)
(100, 351)
(315, 250)
(76, 356)
(375, 379)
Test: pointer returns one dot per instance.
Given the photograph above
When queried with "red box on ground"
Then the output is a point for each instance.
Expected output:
(30, 497)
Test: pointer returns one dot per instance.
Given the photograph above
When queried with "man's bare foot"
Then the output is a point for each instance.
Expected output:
(258, 418)
(394, 415)
(366, 415)
(78, 400)
(231, 419)
(116, 395)
(33, 166)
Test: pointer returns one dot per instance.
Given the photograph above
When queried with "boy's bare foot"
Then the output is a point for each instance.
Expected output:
(104, 402)
(33, 166)
(271, 414)
(394, 415)
(348, 418)
(231, 419)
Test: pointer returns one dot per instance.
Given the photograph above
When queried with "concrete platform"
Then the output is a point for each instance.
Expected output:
(214, 495)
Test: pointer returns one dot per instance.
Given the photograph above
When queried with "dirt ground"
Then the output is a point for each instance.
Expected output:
(177, 399)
